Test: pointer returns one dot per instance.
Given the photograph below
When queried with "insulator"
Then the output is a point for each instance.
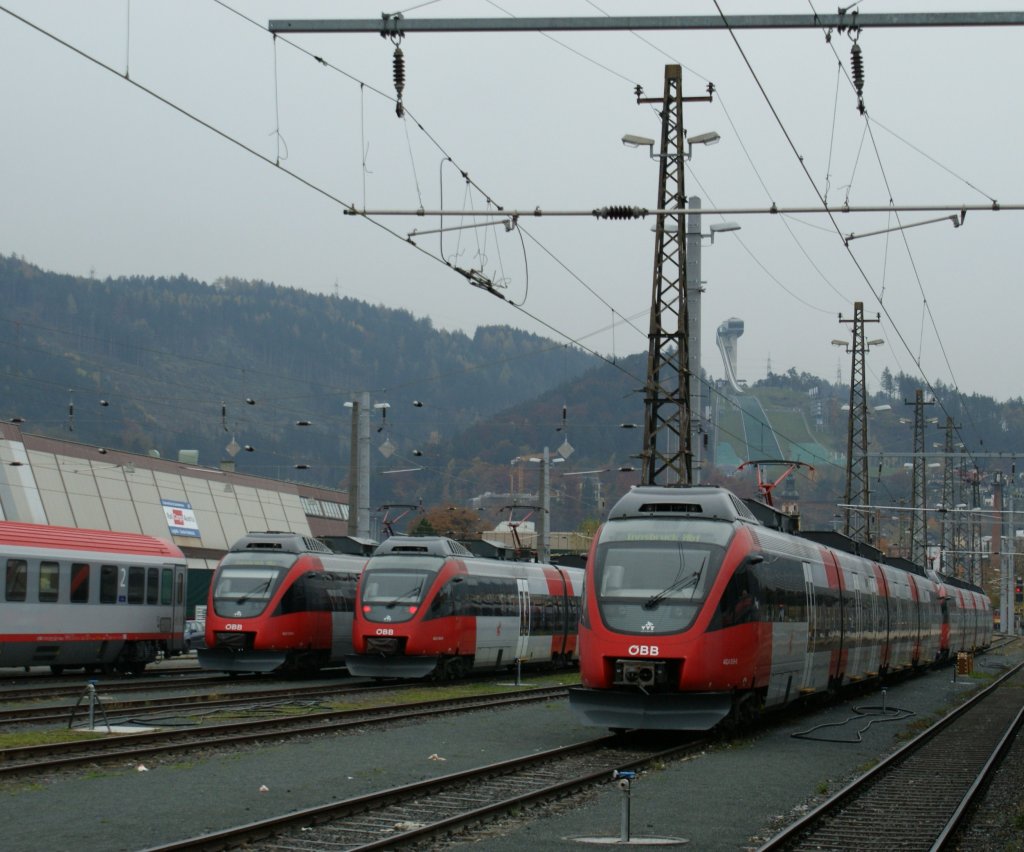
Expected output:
(620, 212)
(858, 68)
(399, 64)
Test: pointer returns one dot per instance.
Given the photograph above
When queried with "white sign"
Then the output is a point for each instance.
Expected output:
(181, 520)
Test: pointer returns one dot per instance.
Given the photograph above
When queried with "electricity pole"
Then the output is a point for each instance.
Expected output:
(918, 521)
(667, 452)
(857, 523)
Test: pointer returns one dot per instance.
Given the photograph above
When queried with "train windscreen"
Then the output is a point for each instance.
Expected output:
(652, 577)
(246, 582)
(391, 590)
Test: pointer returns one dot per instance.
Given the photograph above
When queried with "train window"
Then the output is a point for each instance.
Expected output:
(79, 582)
(108, 584)
(17, 580)
(136, 584)
(181, 590)
(152, 585)
(49, 582)
(166, 585)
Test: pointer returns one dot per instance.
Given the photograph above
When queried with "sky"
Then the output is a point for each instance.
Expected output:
(208, 148)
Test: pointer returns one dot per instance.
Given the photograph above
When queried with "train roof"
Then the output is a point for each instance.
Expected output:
(653, 501)
(279, 542)
(47, 537)
(421, 545)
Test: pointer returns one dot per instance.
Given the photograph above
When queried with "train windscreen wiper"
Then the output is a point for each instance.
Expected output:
(414, 591)
(691, 580)
(258, 590)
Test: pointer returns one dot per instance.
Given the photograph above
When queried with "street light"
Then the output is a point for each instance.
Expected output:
(721, 228)
(631, 140)
(694, 290)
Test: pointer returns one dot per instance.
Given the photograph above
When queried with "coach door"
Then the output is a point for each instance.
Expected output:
(522, 646)
(812, 627)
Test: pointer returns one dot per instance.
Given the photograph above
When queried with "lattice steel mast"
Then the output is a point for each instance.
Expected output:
(918, 521)
(667, 453)
(857, 522)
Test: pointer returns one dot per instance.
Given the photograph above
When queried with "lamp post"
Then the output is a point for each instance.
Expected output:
(694, 289)
(543, 525)
(359, 461)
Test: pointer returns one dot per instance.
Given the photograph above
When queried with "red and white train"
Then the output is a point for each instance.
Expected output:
(695, 611)
(91, 599)
(280, 600)
(427, 606)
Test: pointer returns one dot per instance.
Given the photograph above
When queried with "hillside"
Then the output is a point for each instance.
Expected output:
(157, 364)
(164, 364)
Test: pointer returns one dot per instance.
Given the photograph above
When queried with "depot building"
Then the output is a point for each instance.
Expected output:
(202, 510)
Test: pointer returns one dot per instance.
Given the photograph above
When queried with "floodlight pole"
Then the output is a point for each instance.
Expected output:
(667, 451)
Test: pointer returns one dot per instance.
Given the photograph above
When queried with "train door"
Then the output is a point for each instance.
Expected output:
(177, 595)
(522, 646)
(807, 681)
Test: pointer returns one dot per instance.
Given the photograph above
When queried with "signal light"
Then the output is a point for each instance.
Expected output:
(413, 609)
(367, 607)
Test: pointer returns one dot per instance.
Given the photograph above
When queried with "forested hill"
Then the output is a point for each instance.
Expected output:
(169, 363)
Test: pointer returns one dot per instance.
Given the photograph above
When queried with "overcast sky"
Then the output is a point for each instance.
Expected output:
(100, 177)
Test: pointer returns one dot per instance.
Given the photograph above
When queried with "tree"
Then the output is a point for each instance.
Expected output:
(451, 521)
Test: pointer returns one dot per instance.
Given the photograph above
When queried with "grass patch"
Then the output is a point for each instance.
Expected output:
(19, 739)
(822, 788)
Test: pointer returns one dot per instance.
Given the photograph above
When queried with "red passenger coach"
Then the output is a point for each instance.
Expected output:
(91, 599)
(280, 600)
(695, 611)
(427, 606)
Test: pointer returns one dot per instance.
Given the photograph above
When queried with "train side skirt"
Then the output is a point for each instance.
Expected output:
(216, 659)
(695, 711)
(370, 665)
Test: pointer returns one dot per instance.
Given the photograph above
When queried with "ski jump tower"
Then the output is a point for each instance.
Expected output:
(728, 333)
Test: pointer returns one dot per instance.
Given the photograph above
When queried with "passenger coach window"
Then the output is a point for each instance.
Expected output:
(79, 582)
(136, 584)
(17, 580)
(108, 584)
(152, 585)
(49, 581)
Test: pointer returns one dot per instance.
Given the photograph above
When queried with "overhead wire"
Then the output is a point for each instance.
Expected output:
(294, 175)
(803, 166)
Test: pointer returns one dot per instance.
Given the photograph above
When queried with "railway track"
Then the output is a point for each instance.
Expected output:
(117, 711)
(916, 798)
(72, 687)
(54, 756)
(412, 814)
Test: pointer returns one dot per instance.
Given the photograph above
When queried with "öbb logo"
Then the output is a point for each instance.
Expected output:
(643, 650)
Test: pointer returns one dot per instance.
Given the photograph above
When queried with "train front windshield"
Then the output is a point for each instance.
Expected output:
(391, 590)
(245, 583)
(653, 576)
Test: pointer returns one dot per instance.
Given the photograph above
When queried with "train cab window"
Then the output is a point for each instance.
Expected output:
(79, 582)
(166, 585)
(49, 582)
(136, 584)
(152, 585)
(108, 584)
(16, 584)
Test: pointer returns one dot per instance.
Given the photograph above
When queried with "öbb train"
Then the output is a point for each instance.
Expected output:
(427, 607)
(280, 601)
(696, 612)
(92, 599)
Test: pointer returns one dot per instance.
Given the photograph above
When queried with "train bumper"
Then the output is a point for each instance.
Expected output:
(372, 665)
(695, 711)
(221, 660)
